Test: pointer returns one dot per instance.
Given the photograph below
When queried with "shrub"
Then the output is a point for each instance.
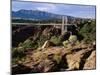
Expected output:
(72, 39)
(18, 52)
(27, 44)
(88, 31)
(41, 40)
(65, 43)
(55, 40)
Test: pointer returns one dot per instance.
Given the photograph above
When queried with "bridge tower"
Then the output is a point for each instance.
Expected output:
(62, 26)
(64, 23)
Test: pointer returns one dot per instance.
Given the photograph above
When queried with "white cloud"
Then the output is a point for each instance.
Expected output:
(42, 8)
(47, 7)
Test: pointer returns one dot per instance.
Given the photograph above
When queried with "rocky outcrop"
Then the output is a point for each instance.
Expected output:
(91, 61)
(77, 59)
(22, 33)
(51, 59)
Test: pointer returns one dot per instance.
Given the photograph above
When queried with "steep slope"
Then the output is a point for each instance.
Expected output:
(53, 59)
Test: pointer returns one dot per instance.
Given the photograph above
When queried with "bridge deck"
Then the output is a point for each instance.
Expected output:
(39, 24)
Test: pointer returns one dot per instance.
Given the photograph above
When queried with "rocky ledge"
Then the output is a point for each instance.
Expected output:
(52, 59)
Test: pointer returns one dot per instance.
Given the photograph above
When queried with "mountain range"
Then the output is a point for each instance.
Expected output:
(37, 14)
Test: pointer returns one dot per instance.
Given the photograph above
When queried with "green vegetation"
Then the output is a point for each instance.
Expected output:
(65, 43)
(18, 54)
(88, 31)
(72, 39)
(41, 40)
(55, 40)
(27, 44)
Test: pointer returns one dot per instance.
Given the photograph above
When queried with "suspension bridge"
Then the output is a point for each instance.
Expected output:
(63, 25)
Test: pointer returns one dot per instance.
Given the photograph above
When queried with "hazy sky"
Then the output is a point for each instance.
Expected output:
(63, 9)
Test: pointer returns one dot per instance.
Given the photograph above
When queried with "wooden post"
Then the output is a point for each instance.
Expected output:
(62, 27)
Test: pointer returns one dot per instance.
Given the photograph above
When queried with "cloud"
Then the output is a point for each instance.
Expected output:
(42, 8)
(46, 7)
